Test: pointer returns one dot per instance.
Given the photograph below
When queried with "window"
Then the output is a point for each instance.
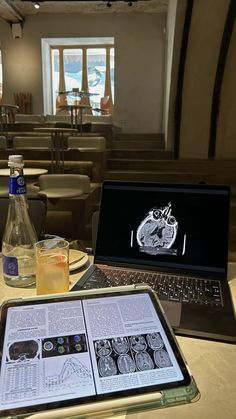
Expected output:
(84, 65)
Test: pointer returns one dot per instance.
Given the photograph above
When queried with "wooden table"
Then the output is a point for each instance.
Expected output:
(28, 172)
(76, 114)
(58, 146)
(213, 365)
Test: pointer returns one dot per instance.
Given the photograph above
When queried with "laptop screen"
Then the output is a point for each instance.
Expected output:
(170, 227)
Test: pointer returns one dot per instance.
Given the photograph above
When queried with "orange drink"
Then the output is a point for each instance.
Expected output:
(52, 266)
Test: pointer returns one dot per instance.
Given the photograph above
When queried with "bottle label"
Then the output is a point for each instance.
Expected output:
(17, 185)
(10, 265)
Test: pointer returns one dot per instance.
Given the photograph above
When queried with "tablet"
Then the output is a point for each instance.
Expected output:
(112, 350)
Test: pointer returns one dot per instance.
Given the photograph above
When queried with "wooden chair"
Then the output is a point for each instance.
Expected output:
(23, 142)
(4, 187)
(70, 199)
(105, 104)
(63, 185)
(90, 143)
(3, 142)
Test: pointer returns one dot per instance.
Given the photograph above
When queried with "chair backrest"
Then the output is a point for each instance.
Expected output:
(105, 103)
(32, 142)
(29, 118)
(64, 181)
(37, 212)
(51, 119)
(96, 119)
(4, 185)
(3, 142)
(98, 143)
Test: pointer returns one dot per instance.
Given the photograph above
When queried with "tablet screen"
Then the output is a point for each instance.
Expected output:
(78, 349)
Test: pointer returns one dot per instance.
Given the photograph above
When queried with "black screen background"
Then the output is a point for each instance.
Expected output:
(201, 216)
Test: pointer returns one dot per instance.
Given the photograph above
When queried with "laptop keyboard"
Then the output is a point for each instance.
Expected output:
(168, 287)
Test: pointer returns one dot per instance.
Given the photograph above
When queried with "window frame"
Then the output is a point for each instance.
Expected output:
(48, 45)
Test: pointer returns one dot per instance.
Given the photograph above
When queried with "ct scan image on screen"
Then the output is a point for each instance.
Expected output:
(157, 232)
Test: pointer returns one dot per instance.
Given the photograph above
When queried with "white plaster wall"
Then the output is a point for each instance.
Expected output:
(226, 129)
(205, 36)
(139, 61)
(176, 17)
(170, 32)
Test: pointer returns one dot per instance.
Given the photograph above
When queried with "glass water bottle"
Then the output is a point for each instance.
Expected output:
(19, 237)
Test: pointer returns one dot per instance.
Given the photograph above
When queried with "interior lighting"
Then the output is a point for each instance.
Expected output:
(36, 5)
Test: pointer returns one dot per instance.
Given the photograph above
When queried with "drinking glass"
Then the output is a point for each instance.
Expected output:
(52, 266)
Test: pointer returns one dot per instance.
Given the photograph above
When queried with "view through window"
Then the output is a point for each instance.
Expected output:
(87, 68)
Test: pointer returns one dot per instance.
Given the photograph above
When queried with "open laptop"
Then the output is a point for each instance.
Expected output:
(175, 238)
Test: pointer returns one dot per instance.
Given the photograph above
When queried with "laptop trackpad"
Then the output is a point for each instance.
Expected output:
(172, 311)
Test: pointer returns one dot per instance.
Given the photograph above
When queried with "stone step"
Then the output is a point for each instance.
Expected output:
(137, 144)
(171, 177)
(127, 136)
(141, 154)
(132, 164)
(192, 166)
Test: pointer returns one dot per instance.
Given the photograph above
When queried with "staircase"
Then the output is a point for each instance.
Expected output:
(143, 157)
(135, 156)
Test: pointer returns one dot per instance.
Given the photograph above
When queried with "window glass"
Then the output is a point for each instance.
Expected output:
(112, 66)
(69, 76)
(73, 68)
(72, 74)
(96, 68)
(55, 76)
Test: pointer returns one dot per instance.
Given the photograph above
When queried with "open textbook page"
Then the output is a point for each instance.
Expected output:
(81, 348)
(129, 348)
